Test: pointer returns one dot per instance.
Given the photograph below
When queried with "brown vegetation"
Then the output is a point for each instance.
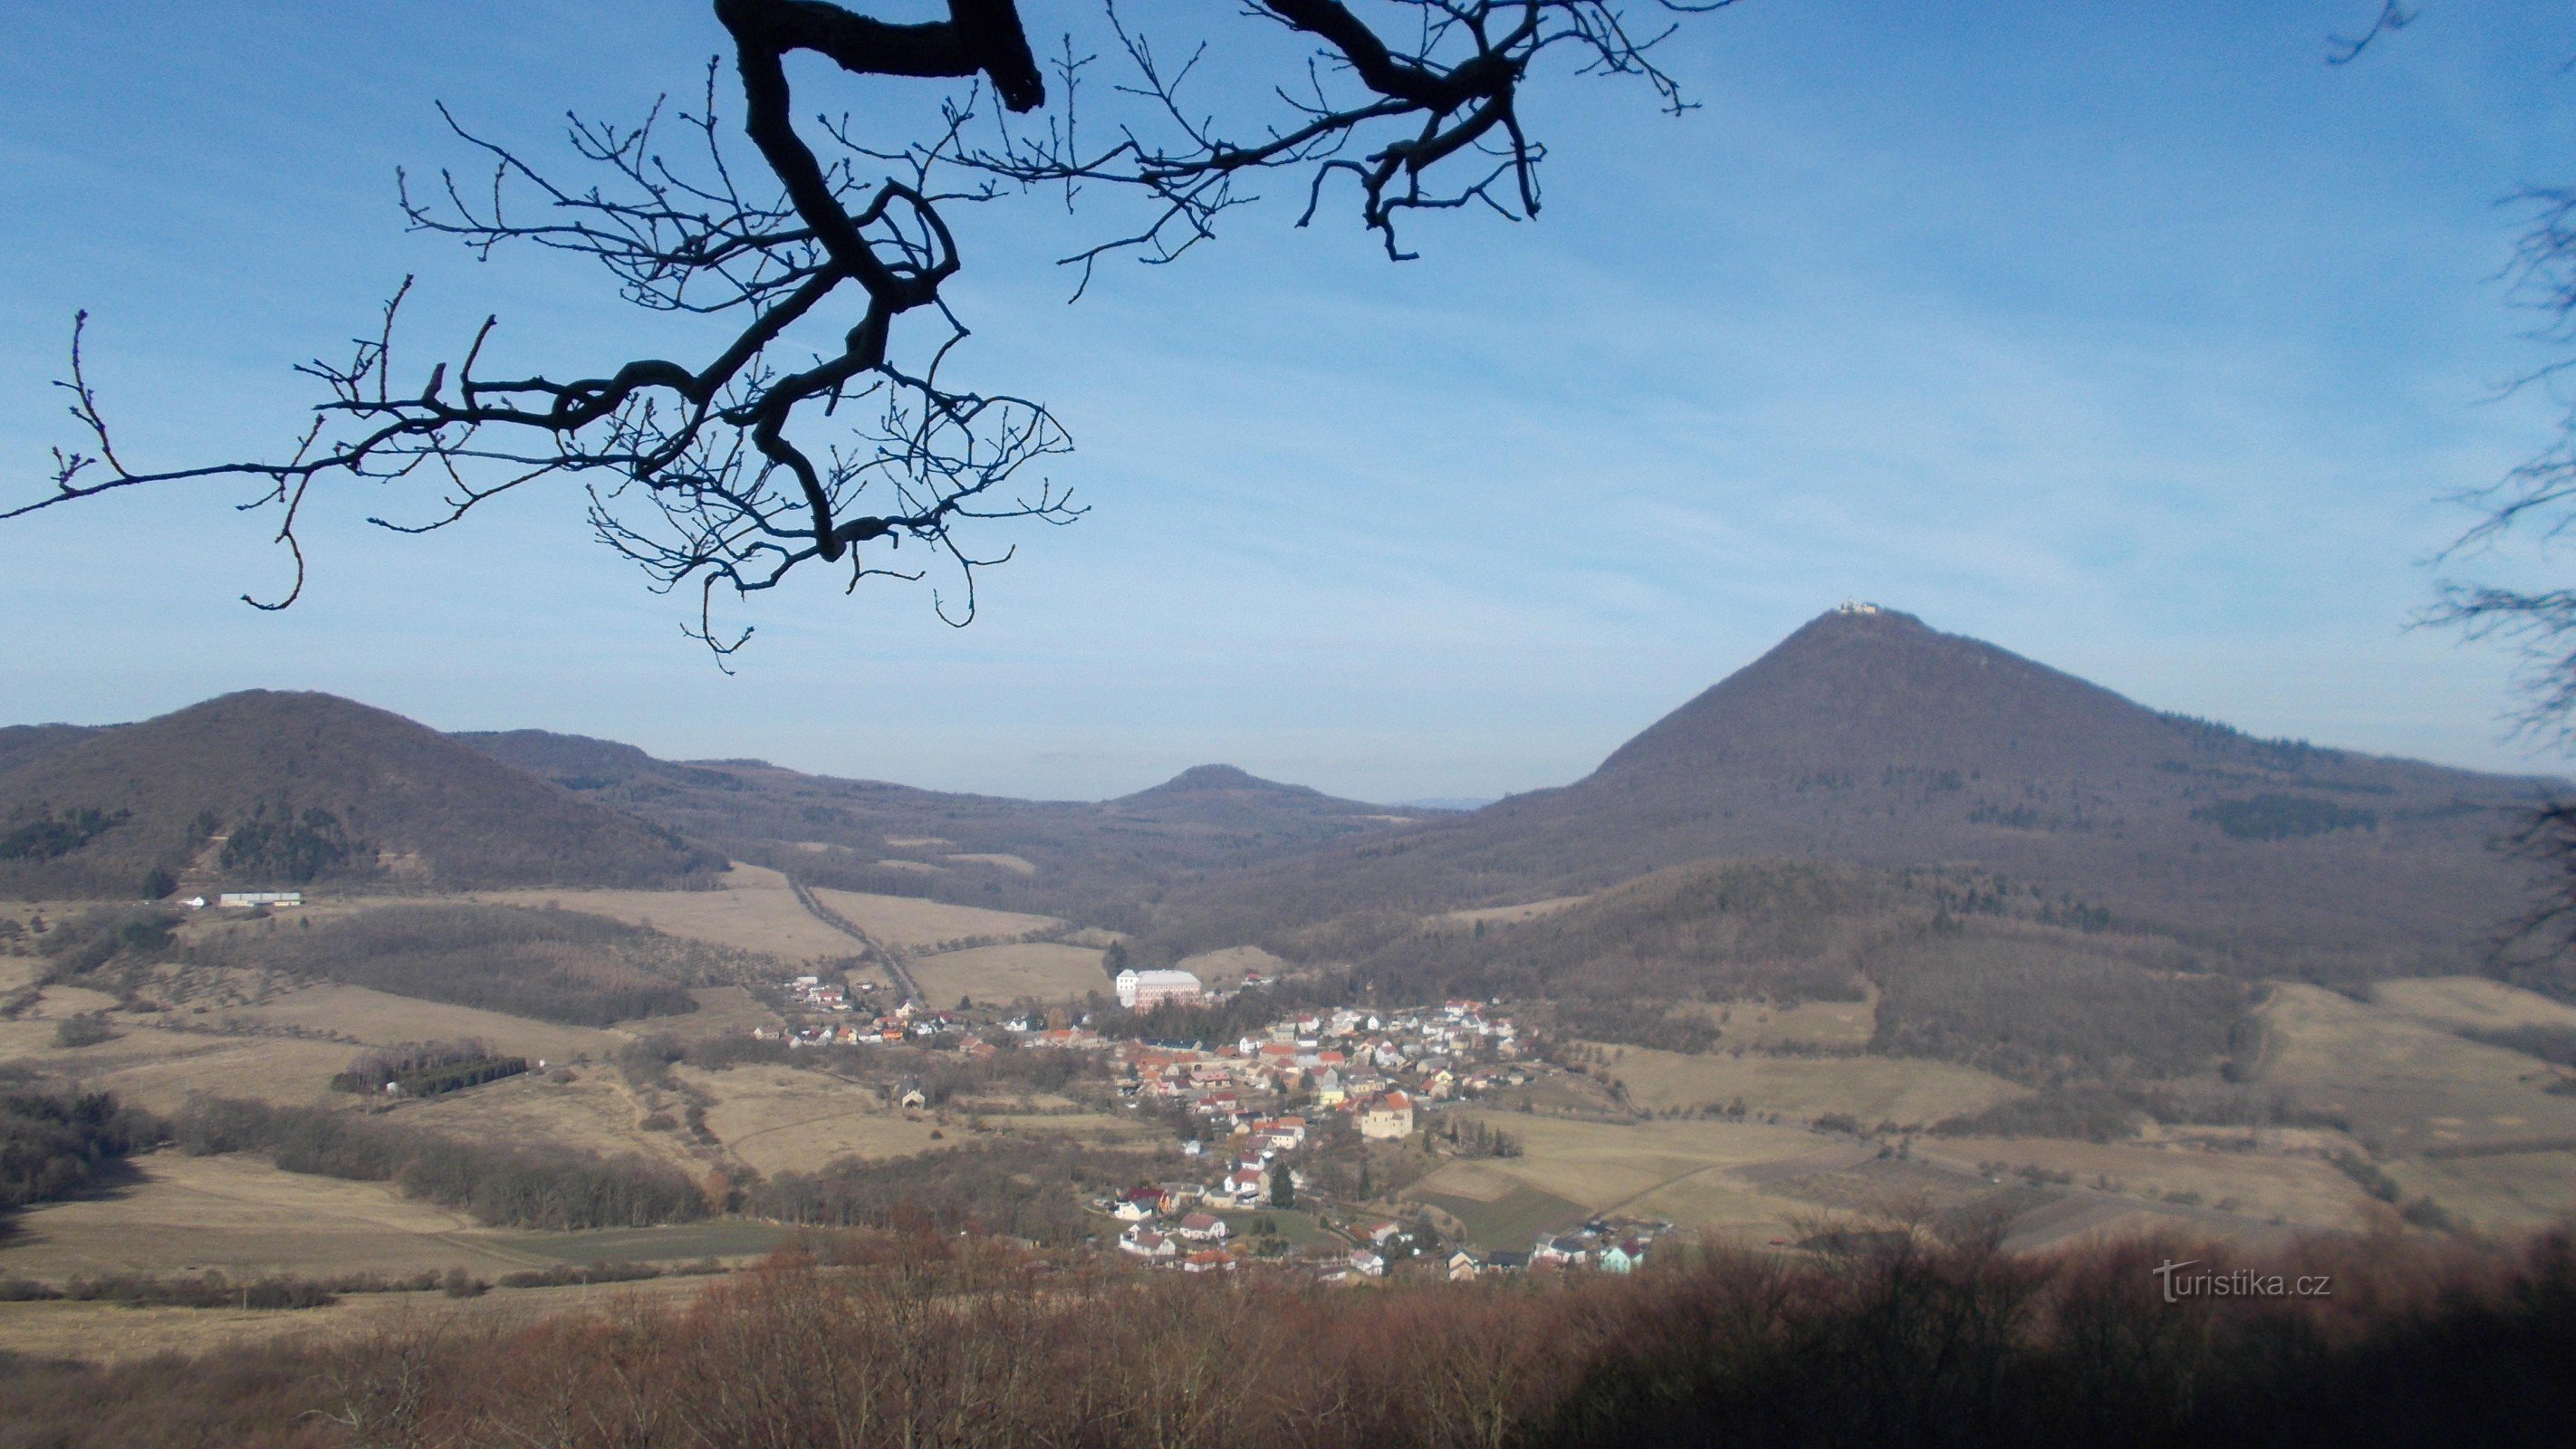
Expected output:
(518, 1185)
(1872, 740)
(302, 787)
(1092, 860)
(1897, 1341)
(561, 966)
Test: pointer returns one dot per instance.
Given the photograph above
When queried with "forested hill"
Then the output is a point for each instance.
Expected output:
(1092, 859)
(1870, 738)
(274, 789)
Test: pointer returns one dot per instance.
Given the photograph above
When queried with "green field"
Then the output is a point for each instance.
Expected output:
(1298, 1228)
(1512, 1221)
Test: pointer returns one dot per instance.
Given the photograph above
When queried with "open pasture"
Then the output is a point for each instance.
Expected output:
(1513, 1218)
(378, 1018)
(678, 1243)
(753, 911)
(1020, 971)
(1753, 1025)
(158, 1070)
(779, 1119)
(1509, 915)
(2297, 1189)
(238, 1215)
(2404, 1083)
(2503, 1193)
(1627, 1168)
(2472, 1003)
(999, 860)
(594, 1110)
(782, 1119)
(111, 1333)
(722, 1011)
(1872, 1089)
(1224, 970)
(906, 923)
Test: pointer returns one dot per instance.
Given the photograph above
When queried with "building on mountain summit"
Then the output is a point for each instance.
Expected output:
(1145, 990)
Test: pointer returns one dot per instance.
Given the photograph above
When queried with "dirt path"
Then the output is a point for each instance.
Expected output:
(838, 922)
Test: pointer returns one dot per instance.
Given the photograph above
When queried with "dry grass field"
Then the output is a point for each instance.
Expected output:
(2473, 1003)
(906, 924)
(157, 1070)
(1016, 865)
(781, 1119)
(2406, 1084)
(1511, 1218)
(1758, 1024)
(239, 1215)
(2513, 1192)
(1692, 1173)
(755, 911)
(376, 1017)
(1224, 970)
(722, 1011)
(1873, 1089)
(108, 1333)
(1023, 971)
(2298, 1189)
(594, 1110)
(1511, 915)
(725, 1239)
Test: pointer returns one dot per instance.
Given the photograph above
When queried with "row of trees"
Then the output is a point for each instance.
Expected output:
(558, 1188)
(552, 965)
(54, 1145)
(427, 1069)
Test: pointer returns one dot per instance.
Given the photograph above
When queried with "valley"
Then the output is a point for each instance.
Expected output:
(1890, 928)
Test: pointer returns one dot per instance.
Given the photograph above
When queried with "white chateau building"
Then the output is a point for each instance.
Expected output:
(1145, 990)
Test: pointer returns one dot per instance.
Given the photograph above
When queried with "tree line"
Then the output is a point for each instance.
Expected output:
(556, 1188)
(1890, 1339)
(551, 965)
(56, 1145)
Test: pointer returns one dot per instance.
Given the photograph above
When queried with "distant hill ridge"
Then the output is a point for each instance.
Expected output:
(1094, 859)
(1870, 738)
(281, 788)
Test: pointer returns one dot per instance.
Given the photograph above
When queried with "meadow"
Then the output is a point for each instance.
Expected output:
(1042, 971)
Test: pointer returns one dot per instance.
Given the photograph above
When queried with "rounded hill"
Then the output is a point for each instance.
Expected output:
(281, 788)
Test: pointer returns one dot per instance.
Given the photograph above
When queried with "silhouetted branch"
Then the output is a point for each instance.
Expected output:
(2392, 18)
(732, 468)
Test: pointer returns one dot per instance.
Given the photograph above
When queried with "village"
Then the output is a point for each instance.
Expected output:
(1276, 1129)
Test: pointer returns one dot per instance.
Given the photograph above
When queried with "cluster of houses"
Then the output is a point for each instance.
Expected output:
(1377, 1068)
(1172, 1225)
(1619, 1247)
(906, 1022)
(1612, 1247)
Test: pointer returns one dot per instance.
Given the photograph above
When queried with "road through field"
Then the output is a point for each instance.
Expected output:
(842, 924)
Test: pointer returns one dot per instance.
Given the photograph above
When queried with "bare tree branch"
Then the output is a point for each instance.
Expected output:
(733, 469)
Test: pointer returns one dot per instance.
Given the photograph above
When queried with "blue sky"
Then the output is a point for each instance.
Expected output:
(2134, 339)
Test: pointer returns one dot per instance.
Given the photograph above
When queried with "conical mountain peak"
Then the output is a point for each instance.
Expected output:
(1867, 688)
